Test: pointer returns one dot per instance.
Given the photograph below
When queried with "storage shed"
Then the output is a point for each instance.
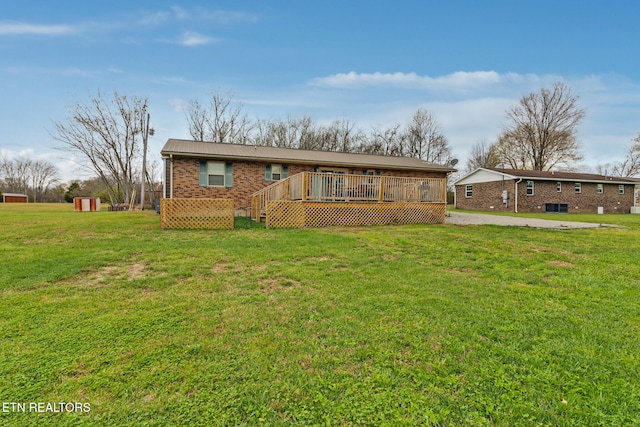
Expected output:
(14, 198)
(86, 204)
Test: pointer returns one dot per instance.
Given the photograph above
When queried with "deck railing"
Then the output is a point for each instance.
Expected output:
(331, 187)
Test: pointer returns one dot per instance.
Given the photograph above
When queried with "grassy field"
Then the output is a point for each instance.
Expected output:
(399, 325)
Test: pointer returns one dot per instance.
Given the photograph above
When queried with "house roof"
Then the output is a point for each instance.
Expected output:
(493, 174)
(14, 194)
(187, 148)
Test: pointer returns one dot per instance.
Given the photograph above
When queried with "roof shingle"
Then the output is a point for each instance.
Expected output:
(563, 176)
(187, 148)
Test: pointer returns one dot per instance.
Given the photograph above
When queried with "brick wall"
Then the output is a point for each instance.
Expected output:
(248, 177)
(487, 196)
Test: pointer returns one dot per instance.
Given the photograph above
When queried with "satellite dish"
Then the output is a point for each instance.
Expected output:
(453, 162)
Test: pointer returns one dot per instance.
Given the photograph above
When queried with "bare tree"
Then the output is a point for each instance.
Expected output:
(197, 120)
(221, 121)
(514, 152)
(542, 130)
(483, 155)
(423, 138)
(15, 175)
(28, 177)
(630, 166)
(302, 133)
(342, 136)
(107, 133)
(383, 142)
(42, 175)
(289, 133)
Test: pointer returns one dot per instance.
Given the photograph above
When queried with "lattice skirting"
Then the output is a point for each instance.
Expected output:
(196, 213)
(297, 214)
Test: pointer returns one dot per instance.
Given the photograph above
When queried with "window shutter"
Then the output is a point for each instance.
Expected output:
(203, 174)
(285, 171)
(267, 172)
(228, 172)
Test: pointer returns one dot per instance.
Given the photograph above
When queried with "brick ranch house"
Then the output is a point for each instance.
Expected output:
(509, 190)
(194, 169)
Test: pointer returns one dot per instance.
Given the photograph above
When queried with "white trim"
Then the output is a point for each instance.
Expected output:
(483, 175)
(171, 173)
(487, 175)
(516, 196)
(533, 186)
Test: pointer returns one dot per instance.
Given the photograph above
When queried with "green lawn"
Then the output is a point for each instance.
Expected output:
(394, 325)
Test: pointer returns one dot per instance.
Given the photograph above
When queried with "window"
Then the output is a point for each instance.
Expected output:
(621, 189)
(468, 191)
(275, 172)
(559, 187)
(556, 207)
(600, 189)
(370, 172)
(529, 188)
(578, 187)
(216, 174)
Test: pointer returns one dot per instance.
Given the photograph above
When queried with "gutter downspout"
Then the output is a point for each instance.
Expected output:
(516, 195)
(171, 175)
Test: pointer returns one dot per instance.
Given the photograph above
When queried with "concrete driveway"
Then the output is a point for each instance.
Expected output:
(464, 218)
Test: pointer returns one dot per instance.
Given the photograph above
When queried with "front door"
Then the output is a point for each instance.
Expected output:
(332, 187)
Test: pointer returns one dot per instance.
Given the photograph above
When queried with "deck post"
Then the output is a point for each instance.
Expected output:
(444, 190)
(304, 186)
(381, 191)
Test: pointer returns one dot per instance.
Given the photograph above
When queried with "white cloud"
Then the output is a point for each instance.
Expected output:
(154, 18)
(227, 16)
(12, 154)
(458, 81)
(190, 39)
(179, 105)
(177, 13)
(25, 28)
(180, 13)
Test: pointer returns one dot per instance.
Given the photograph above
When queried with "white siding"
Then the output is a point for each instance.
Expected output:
(483, 175)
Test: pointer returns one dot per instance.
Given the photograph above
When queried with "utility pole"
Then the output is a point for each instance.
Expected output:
(147, 132)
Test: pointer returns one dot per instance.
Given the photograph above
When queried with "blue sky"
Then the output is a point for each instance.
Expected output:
(374, 63)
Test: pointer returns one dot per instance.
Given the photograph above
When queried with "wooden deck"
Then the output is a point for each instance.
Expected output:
(353, 195)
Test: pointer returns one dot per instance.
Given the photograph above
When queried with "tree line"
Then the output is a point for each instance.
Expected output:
(221, 120)
(38, 179)
(109, 134)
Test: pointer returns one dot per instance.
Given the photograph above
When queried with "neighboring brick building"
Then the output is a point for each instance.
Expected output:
(509, 190)
(195, 169)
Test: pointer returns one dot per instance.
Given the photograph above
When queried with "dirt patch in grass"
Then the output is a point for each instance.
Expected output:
(461, 270)
(278, 284)
(560, 264)
(108, 274)
(223, 267)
